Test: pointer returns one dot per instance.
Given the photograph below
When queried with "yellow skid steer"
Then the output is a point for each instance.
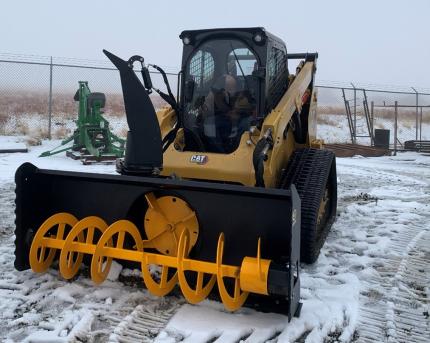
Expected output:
(227, 187)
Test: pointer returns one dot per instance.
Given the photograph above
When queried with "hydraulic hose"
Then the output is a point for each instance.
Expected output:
(260, 156)
(170, 99)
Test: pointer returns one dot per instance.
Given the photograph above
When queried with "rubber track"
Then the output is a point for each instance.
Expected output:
(309, 171)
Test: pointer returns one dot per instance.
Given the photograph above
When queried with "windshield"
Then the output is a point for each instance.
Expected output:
(222, 93)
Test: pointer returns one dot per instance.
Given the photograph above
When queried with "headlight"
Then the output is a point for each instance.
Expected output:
(186, 40)
(258, 38)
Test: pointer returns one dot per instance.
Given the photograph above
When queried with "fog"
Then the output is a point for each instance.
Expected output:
(384, 42)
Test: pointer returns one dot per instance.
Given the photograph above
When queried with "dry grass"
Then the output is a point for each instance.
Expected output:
(26, 113)
(338, 110)
(21, 112)
(384, 113)
(325, 120)
(3, 120)
(123, 132)
(38, 134)
(60, 132)
(33, 141)
(23, 128)
(15, 103)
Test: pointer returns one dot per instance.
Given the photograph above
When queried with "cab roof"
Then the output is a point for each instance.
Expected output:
(197, 35)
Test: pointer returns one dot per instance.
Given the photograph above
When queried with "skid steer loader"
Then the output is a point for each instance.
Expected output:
(226, 187)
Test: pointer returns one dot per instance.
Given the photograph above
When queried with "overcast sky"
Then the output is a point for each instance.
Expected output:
(368, 41)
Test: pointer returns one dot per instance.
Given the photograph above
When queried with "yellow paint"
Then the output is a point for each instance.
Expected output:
(237, 167)
(236, 301)
(80, 240)
(251, 276)
(254, 273)
(166, 218)
(317, 144)
(42, 253)
(201, 292)
(312, 120)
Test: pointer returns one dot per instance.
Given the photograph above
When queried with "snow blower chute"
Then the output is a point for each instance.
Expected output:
(225, 188)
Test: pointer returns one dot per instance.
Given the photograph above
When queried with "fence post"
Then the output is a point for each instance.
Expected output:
(416, 112)
(372, 142)
(395, 128)
(421, 123)
(348, 115)
(355, 114)
(50, 100)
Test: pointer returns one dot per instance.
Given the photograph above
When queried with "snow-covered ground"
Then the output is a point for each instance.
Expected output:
(36, 125)
(370, 284)
(333, 128)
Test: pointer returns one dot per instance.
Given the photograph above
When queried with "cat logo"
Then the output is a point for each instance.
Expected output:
(199, 159)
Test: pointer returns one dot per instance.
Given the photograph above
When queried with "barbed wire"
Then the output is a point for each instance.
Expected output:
(94, 63)
(66, 61)
(375, 86)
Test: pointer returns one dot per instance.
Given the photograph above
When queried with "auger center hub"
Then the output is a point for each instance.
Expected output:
(166, 218)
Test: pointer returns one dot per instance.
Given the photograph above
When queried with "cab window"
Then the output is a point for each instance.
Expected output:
(223, 101)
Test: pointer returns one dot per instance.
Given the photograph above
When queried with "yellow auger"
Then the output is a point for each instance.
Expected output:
(177, 234)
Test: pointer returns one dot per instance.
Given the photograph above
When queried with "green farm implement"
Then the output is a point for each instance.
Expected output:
(92, 139)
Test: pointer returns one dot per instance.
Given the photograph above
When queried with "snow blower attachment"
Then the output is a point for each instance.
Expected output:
(225, 188)
(198, 234)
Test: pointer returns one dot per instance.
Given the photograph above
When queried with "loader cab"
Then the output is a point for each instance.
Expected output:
(231, 79)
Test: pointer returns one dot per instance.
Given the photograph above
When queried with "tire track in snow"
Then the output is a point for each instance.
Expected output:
(395, 301)
(410, 295)
(143, 324)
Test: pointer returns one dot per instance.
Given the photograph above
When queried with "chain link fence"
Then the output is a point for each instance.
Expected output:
(351, 113)
(36, 100)
(37, 94)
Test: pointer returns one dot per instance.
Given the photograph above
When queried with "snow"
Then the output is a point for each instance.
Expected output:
(381, 200)
(203, 323)
(114, 271)
(12, 143)
(327, 305)
(10, 162)
(63, 124)
(333, 128)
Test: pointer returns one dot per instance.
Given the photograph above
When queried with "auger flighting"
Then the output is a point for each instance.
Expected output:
(92, 236)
